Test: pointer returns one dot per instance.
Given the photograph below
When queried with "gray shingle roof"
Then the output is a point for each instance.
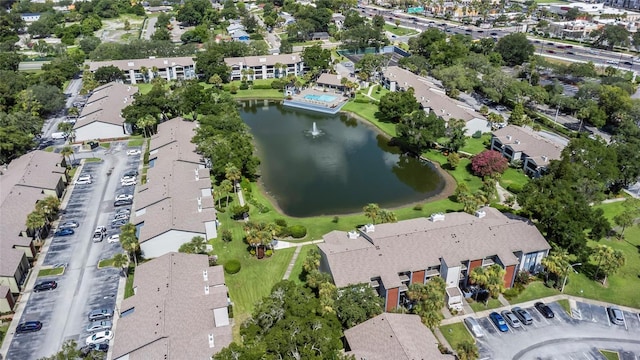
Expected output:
(268, 60)
(38, 169)
(527, 141)
(173, 316)
(105, 104)
(430, 96)
(403, 246)
(393, 336)
(329, 79)
(136, 64)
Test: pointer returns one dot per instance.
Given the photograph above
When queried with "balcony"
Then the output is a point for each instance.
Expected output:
(432, 273)
(404, 277)
(487, 262)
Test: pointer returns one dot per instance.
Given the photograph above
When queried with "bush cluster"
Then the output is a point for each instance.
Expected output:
(297, 231)
(232, 266)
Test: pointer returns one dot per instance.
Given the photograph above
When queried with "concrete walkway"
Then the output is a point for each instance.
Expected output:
(240, 197)
(298, 246)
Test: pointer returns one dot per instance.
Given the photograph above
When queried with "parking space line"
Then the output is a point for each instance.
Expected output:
(624, 321)
(607, 316)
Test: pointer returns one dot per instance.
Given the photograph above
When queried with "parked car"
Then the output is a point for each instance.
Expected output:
(83, 179)
(100, 314)
(45, 286)
(85, 350)
(69, 225)
(498, 320)
(113, 238)
(133, 152)
(131, 173)
(616, 315)
(28, 326)
(64, 232)
(130, 182)
(474, 327)
(122, 203)
(121, 217)
(127, 178)
(101, 229)
(118, 223)
(124, 211)
(511, 318)
(523, 315)
(100, 337)
(544, 310)
(99, 326)
(124, 197)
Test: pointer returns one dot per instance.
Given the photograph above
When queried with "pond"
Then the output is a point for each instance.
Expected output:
(316, 164)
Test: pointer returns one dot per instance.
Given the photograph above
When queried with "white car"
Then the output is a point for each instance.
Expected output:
(124, 197)
(129, 182)
(127, 177)
(134, 152)
(113, 238)
(83, 179)
(100, 337)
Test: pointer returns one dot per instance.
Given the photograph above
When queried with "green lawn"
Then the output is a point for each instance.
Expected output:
(105, 263)
(622, 287)
(367, 111)
(375, 93)
(51, 272)
(105, 145)
(135, 142)
(128, 287)
(144, 88)
(491, 304)
(534, 290)
(3, 331)
(92, 160)
(297, 268)
(456, 334)
(476, 146)
(514, 177)
(610, 355)
(399, 31)
(259, 94)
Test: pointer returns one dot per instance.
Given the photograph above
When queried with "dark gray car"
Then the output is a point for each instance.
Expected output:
(100, 314)
(523, 315)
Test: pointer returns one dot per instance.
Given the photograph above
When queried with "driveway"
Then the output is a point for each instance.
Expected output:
(83, 287)
(562, 337)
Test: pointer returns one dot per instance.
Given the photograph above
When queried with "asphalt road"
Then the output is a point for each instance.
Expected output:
(83, 287)
(150, 27)
(51, 124)
(563, 337)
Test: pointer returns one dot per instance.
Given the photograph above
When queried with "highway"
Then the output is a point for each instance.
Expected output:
(547, 48)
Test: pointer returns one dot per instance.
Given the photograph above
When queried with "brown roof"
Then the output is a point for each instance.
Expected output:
(393, 336)
(329, 79)
(268, 60)
(526, 140)
(173, 196)
(171, 315)
(136, 64)
(430, 96)
(105, 104)
(395, 248)
(38, 169)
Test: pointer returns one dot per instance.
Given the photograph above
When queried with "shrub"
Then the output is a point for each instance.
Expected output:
(268, 253)
(514, 188)
(276, 84)
(232, 266)
(418, 207)
(226, 235)
(245, 184)
(297, 231)
(281, 222)
(237, 211)
(233, 89)
(511, 294)
(522, 278)
(252, 252)
(244, 86)
(264, 86)
(335, 219)
(550, 283)
(477, 134)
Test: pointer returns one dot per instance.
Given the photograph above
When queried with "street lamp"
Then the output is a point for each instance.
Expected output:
(566, 276)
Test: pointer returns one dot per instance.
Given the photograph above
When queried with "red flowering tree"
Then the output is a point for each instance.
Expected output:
(488, 163)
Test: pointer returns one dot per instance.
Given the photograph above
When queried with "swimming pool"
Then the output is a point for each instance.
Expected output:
(323, 98)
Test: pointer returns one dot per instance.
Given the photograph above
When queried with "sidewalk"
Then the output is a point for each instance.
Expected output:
(294, 258)
(32, 277)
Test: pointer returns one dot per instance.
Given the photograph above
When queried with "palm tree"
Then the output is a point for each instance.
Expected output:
(120, 261)
(36, 221)
(66, 152)
(608, 259)
(145, 73)
(556, 263)
(49, 207)
(226, 186)
(129, 241)
(277, 66)
(387, 216)
(372, 211)
(146, 122)
(495, 280)
(232, 173)
(467, 350)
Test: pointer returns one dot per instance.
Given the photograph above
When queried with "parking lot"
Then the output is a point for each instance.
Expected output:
(562, 337)
(82, 287)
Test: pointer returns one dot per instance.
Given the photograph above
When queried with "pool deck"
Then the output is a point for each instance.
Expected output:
(299, 101)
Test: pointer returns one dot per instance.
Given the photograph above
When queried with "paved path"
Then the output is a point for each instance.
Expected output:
(240, 197)
(287, 244)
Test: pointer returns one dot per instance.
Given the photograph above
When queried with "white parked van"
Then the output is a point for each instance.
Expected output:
(58, 135)
(474, 327)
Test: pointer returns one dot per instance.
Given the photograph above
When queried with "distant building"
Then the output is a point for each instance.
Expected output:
(433, 99)
(264, 66)
(25, 181)
(176, 203)
(144, 70)
(234, 27)
(392, 336)
(331, 81)
(101, 117)
(240, 35)
(30, 17)
(523, 144)
(179, 310)
(323, 35)
(392, 256)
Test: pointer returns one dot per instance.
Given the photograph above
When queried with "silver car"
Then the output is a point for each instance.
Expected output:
(99, 326)
(615, 315)
(511, 319)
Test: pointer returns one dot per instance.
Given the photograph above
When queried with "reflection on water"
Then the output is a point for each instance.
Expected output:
(338, 172)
